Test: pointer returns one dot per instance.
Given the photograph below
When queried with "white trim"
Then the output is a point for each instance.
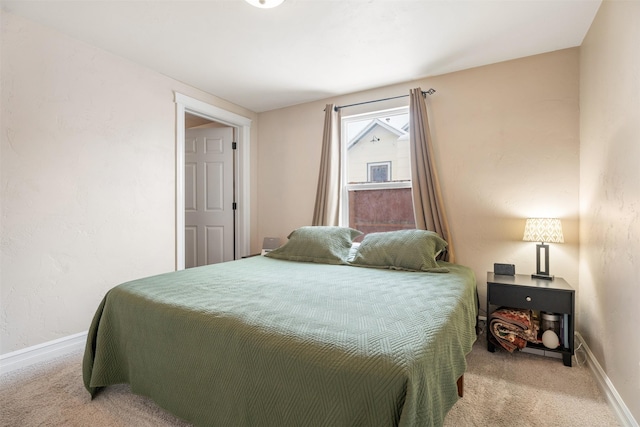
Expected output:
(376, 113)
(180, 218)
(42, 352)
(388, 185)
(616, 403)
(211, 111)
(242, 124)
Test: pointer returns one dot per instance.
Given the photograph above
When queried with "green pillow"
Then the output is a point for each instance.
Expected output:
(410, 250)
(321, 244)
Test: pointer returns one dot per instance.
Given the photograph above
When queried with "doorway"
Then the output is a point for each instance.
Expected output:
(241, 126)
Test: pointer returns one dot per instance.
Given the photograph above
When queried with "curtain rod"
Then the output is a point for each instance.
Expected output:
(424, 92)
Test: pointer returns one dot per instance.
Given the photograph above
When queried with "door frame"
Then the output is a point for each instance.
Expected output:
(242, 126)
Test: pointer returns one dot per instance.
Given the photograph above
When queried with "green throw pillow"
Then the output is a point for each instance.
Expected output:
(321, 244)
(410, 250)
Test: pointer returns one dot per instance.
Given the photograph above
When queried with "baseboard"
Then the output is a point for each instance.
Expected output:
(42, 352)
(615, 401)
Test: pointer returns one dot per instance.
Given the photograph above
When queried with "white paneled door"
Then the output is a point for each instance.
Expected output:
(209, 214)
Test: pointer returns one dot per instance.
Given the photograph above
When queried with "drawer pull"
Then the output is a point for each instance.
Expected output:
(528, 299)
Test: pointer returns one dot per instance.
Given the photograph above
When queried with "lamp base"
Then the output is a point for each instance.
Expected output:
(542, 276)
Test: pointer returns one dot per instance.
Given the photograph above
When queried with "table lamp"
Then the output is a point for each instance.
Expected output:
(543, 230)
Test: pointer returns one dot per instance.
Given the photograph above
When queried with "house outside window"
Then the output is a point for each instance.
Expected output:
(377, 171)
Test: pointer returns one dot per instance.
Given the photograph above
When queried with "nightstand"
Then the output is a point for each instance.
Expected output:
(522, 291)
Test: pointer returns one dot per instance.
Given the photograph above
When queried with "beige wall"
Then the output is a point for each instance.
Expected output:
(88, 179)
(610, 195)
(507, 145)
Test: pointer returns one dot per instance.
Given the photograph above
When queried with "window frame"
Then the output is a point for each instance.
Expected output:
(346, 187)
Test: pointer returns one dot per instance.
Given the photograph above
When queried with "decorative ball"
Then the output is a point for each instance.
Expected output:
(550, 339)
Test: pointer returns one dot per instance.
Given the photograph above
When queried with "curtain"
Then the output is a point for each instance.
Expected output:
(327, 207)
(428, 205)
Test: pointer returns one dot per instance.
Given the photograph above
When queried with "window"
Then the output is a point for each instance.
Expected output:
(377, 171)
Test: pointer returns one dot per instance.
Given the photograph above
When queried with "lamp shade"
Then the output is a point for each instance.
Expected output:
(543, 230)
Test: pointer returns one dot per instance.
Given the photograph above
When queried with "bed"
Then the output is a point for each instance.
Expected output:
(277, 341)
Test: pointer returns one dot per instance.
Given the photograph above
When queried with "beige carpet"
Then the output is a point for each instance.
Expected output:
(501, 389)
(504, 389)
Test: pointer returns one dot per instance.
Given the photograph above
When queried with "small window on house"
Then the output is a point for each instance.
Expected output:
(376, 188)
(379, 172)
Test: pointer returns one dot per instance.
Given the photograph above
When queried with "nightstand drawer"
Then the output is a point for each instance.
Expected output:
(530, 297)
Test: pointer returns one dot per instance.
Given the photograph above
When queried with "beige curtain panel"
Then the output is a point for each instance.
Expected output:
(327, 207)
(428, 205)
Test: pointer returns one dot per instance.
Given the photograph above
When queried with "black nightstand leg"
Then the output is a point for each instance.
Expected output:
(566, 359)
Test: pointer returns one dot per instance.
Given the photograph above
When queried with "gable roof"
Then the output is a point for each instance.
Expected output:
(372, 125)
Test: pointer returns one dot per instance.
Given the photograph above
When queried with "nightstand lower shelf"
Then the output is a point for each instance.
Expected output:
(540, 350)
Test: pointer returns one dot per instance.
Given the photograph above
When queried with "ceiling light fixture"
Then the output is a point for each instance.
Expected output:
(264, 4)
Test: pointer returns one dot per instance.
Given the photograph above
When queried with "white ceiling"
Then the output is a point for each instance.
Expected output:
(306, 50)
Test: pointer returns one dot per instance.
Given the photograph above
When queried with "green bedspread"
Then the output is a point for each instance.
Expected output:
(266, 342)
